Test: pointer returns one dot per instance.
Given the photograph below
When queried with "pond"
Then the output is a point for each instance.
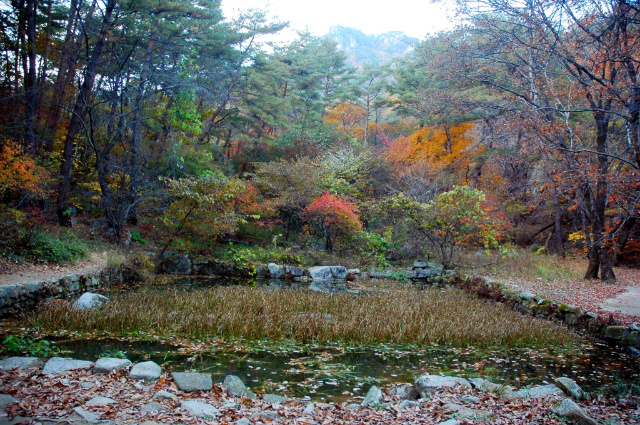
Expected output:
(337, 373)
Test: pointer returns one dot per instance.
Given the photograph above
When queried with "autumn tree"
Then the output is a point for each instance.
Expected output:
(331, 218)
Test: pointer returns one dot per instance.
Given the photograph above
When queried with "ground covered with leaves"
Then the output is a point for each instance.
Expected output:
(48, 397)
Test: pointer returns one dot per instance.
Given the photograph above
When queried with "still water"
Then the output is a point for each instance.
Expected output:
(338, 373)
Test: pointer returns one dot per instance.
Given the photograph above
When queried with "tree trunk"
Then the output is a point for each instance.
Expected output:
(79, 113)
(30, 76)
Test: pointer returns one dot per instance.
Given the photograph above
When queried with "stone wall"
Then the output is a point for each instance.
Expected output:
(572, 316)
(19, 297)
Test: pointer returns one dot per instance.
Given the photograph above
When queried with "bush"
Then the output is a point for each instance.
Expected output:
(40, 247)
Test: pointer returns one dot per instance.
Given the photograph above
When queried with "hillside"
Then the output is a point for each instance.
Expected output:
(374, 49)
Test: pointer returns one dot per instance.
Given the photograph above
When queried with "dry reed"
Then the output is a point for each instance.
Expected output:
(434, 316)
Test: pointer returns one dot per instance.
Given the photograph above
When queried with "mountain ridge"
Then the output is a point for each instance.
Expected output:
(375, 49)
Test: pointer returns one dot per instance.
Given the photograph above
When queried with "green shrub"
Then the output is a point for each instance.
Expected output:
(19, 346)
(40, 247)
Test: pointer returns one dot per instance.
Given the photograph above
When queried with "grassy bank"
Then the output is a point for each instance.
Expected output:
(433, 316)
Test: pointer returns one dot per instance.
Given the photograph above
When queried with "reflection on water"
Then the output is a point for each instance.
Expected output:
(336, 375)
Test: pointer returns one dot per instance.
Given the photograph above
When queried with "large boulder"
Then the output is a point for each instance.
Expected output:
(146, 371)
(236, 387)
(570, 388)
(20, 363)
(541, 391)
(427, 384)
(59, 365)
(109, 364)
(328, 273)
(568, 408)
(89, 300)
(276, 271)
(199, 408)
(186, 381)
(405, 392)
(374, 396)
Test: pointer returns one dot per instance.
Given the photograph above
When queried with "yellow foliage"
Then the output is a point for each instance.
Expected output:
(438, 146)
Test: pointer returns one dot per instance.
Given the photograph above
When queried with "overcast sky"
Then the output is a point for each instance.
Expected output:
(416, 18)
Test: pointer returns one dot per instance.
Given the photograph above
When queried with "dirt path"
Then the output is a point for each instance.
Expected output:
(627, 302)
(12, 274)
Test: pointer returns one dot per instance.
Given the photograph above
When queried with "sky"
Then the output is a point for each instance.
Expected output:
(416, 18)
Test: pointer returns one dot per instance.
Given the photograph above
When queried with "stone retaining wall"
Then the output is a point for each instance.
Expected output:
(572, 316)
(19, 297)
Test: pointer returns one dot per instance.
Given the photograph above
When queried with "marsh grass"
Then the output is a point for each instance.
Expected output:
(449, 317)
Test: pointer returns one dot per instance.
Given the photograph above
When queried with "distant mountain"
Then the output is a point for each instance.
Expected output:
(372, 49)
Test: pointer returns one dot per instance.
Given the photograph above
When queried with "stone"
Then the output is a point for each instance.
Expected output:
(20, 363)
(146, 371)
(268, 416)
(243, 421)
(427, 384)
(541, 391)
(374, 396)
(406, 404)
(339, 272)
(275, 271)
(353, 271)
(327, 287)
(328, 273)
(176, 264)
(425, 273)
(419, 264)
(236, 387)
(187, 381)
(526, 296)
(87, 416)
(199, 408)
(386, 274)
(152, 408)
(89, 300)
(100, 401)
(21, 420)
(6, 399)
(273, 398)
(405, 392)
(58, 365)
(568, 408)
(310, 409)
(469, 399)
(634, 327)
(450, 422)
(461, 411)
(634, 338)
(87, 385)
(151, 423)
(352, 406)
(320, 273)
(109, 364)
(615, 333)
(164, 395)
(570, 388)
(294, 271)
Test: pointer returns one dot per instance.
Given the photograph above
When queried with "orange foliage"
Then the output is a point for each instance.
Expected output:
(19, 172)
(432, 145)
(348, 119)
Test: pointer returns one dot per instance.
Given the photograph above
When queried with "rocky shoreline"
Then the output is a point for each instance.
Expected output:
(113, 391)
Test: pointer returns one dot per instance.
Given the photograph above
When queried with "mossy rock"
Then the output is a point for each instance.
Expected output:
(634, 339)
(616, 333)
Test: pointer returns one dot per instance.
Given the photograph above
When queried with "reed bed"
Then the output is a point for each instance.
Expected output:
(447, 317)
